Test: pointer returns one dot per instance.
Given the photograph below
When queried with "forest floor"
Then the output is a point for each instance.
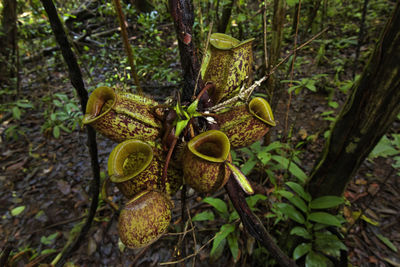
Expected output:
(50, 177)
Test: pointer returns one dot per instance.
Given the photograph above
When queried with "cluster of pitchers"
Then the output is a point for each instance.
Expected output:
(136, 164)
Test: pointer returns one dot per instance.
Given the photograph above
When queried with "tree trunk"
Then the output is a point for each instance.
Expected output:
(226, 15)
(8, 42)
(368, 113)
(275, 49)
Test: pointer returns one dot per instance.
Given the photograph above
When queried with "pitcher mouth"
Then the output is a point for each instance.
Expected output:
(226, 42)
(128, 159)
(260, 108)
(212, 146)
(100, 102)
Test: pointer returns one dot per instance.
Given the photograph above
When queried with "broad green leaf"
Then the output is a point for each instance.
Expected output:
(216, 252)
(387, 242)
(193, 107)
(17, 211)
(218, 204)
(240, 178)
(325, 218)
(284, 193)
(273, 146)
(241, 17)
(315, 259)
(326, 202)
(248, 166)
(301, 231)
(299, 203)
(293, 168)
(299, 190)
(16, 113)
(252, 200)
(233, 246)
(329, 244)
(383, 149)
(264, 157)
(292, 2)
(225, 230)
(301, 250)
(56, 131)
(233, 216)
(291, 212)
(204, 216)
(24, 104)
(180, 126)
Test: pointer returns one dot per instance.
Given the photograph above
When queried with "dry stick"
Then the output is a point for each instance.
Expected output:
(253, 224)
(292, 70)
(128, 49)
(265, 36)
(191, 255)
(244, 93)
(77, 81)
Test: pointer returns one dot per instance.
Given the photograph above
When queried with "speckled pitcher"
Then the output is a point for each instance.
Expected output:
(227, 64)
(135, 166)
(122, 116)
(203, 165)
(246, 123)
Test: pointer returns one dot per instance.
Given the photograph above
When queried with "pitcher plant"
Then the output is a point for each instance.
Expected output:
(227, 64)
(246, 123)
(122, 116)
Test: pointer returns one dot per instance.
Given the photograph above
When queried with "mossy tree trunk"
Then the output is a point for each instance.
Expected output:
(366, 116)
(8, 43)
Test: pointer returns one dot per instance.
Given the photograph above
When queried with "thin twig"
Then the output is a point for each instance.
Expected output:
(128, 49)
(193, 254)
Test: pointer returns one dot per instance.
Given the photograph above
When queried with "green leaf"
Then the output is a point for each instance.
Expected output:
(56, 131)
(326, 202)
(293, 168)
(301, 231)
(324, 218)
(233, 216)
(204, 216)
(17, 211)
(57, 103)
(329, 244)
(291, 212)
(284, 193)
(241, 17)
(48, 240)
(193, 107)
(180, 126)
(16, 113)
(53, 116)
(315, 259)
(299, 190)
(301, 250)
(24, 104)
(387, 242)
(233, 246)
(292, 2)
(383, 149)
(299, 203)
(252, 200)
(240, 178)
(264, 157)
(48, 251)
(248, 166)
(225, 230)
(218, 204)
(273, 146)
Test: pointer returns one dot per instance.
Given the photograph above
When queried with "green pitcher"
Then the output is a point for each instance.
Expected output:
(122, 116)
(227, 64)
(135, 166)
(144, 219)
(203, 165)
(246, 123)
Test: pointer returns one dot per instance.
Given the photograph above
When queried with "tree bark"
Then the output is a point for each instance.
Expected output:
(182, 14)
(226, 15)
(8, 42)
(367, 114)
